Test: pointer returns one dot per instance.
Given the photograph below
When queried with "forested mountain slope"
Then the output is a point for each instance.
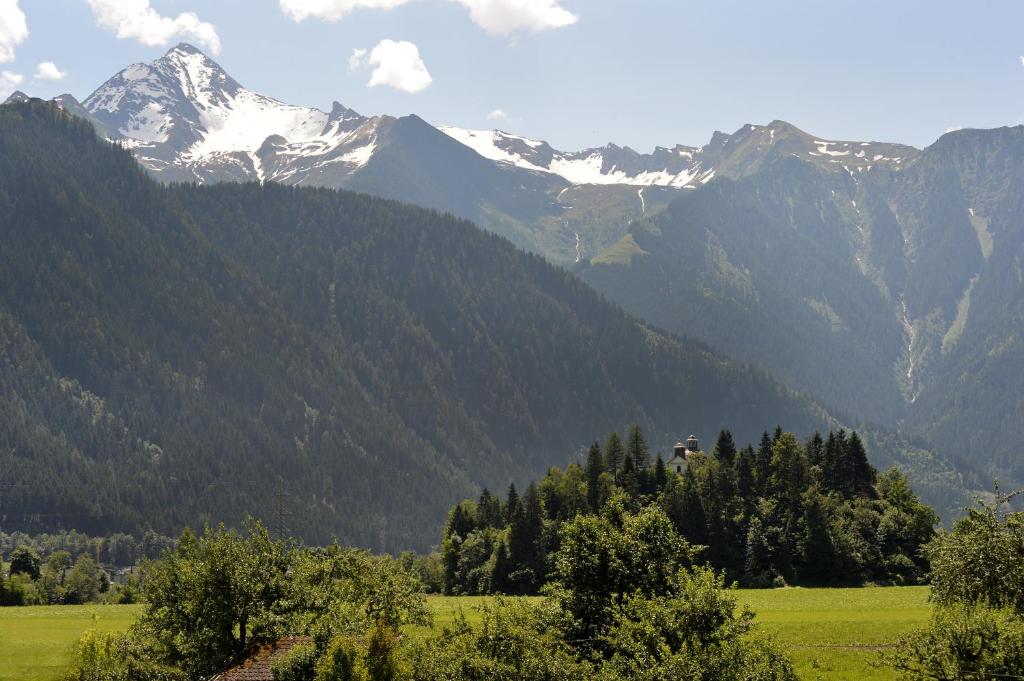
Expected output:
(891, 291)
(346, 364)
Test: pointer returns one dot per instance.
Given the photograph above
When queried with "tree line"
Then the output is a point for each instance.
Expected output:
(652, 614)
(785, 512)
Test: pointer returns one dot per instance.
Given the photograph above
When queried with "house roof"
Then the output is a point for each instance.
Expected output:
(256, 665)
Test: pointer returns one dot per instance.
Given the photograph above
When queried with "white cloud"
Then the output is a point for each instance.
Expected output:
(332, 10)
(494, 16)
(13, 29)
(497, 115)
(9, 82)
(47, 70)
(1022, 60)
(396, 63)
(357, 59)
(502, 17)
(137, 19)
(954, 128)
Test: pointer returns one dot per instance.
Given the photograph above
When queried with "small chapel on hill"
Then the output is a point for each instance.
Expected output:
(681, 454)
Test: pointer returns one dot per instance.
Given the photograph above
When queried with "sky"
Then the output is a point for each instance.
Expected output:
(577, 73)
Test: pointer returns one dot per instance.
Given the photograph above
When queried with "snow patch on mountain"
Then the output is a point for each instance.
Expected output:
(591, 166)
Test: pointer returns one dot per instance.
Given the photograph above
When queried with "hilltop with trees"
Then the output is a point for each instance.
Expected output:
(783, 512)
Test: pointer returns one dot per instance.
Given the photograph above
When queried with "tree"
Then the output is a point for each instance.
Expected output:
(817, 555)
(511, 503)
(815, 451)
(526, 533)
(630, 479)
(614, 454)
(637, 448)
(25, 561)
(488, 510)
(763, 464)
(859, 473)
(83, 581)
(695, 631)
(746, 485)
(758, 570)
(214, 593)
(681, 502)
(660, 474)
(725, 448)
(979, 559)
(598, 563)
(462, 519)
(833, 463)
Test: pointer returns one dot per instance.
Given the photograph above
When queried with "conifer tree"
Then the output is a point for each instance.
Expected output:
(860, 473)
(681, 503)
(461, 520)
(511, 503)
(725, 448)
(815, 453)
(763, 464)
(833, 462)
(526, 535)
(637, 448)
(488, 510)
(817, 555)
(660, 473)
(502, 568)
(757, 564)
(630, 480)
(746, 487)
(614, 453)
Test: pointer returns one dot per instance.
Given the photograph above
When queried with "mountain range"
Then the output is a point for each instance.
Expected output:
(339, 364)
(187, 120)
(882, 279)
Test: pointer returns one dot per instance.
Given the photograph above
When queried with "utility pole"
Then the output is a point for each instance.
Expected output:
(282, 514)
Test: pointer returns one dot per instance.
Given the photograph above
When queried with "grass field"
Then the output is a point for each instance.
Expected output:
(36, 642)
(832, 634)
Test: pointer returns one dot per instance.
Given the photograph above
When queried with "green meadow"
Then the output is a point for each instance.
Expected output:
(832, 634)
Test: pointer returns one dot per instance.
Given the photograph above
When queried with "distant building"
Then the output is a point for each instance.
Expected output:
(681, 454)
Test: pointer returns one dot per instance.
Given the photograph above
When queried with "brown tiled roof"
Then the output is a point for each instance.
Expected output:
(256, 665)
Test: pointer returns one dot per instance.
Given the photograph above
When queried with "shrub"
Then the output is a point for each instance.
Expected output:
(979, 560)
(963, 642)
(341, 662)
(117, 657)
(696, 634)
(298, 664)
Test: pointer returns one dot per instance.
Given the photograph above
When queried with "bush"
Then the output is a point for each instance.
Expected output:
(342, 662)
(515, 642)
(963, 642)
(696, 634)
(297, 664)
(979, 560)
(116, 657)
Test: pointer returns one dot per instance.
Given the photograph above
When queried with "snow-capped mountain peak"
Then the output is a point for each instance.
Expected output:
(186, 118)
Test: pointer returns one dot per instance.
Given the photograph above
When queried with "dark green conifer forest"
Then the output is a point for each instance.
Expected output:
(813, 513)
(332, 363)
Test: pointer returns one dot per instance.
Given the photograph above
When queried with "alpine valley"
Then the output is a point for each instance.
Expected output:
(271, 322)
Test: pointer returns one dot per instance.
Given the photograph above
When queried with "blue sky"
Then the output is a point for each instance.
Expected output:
(636, 72)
